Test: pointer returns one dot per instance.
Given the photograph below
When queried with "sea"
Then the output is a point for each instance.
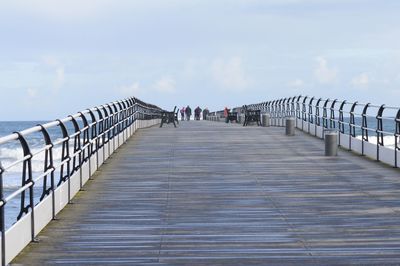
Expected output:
(12, 151)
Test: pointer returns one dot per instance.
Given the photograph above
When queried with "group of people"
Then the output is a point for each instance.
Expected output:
(186, 112)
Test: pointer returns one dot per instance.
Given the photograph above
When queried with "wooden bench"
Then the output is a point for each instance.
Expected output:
(169, 117)
(252, 116)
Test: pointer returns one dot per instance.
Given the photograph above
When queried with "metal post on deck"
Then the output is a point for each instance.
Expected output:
(331, 143)
(265, 119)
(290, 124)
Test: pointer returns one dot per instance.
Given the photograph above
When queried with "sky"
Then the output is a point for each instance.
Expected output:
(60, 57)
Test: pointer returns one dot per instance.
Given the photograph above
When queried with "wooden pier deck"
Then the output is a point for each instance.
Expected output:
(210, 193)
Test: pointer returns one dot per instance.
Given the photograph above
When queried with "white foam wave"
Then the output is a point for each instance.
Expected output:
(11, 155)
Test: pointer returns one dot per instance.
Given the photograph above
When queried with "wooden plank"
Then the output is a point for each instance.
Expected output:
(210, 193)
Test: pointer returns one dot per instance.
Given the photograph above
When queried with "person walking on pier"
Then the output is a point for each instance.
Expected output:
(205, 113)
(182, 113)
(188, 112)
(226, 114)
(197, 113)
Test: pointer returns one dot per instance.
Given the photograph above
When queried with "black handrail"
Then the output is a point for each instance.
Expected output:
(98, 126)
(312, 112)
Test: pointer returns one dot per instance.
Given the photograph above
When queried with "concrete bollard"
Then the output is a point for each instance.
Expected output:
(290, 123)
(331, 145)
(265, 120)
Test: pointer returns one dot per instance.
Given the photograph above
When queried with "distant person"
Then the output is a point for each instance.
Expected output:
(197, 113)
(182, 113)
(226, 113)
(188, 112)
(205, 113)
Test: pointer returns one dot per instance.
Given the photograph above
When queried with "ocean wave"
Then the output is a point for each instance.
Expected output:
(11, 155)
(12, 182)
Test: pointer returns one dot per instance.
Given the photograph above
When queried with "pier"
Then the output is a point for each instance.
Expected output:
(209, 193)
(219, 194)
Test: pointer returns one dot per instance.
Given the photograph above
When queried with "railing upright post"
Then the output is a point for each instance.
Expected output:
(2, 219)
(27, 170)
(115, 125)
(65, 156)
(49, 165)
(288, 110)
(106, 133)
(76, 162)
(317, 116)
(100, 132)
(341, 121)
(283, 111)
(303, 113)
(278, 111)
(379, 129)
(396, 138)
(298, 110)
(332, 118)
(352, 127)
(310, 114)
(273, 113)
(92, 138)
(325, 114)
(364, 127)
(85, 141)
(292, 107)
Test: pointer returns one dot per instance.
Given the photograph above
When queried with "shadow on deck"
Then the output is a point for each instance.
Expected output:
(218, 194)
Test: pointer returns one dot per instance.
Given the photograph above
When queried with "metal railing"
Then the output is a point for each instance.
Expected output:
(365, 128)
(86, 140)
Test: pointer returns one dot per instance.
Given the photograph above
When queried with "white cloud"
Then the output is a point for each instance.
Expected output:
(130, 90)
(58, 67)
(60, 77)
(323, 73)
(166, 84)
(296, 83)
(51, 61)
(32, 93)
(230, 74)
(189, 70)
(361, 81)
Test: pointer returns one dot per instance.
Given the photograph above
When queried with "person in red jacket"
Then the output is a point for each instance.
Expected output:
(226, 113)
(183, 113)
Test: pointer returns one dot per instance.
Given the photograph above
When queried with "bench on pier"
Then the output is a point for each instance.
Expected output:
(252, 116)
(169, 117)
(232, 116)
